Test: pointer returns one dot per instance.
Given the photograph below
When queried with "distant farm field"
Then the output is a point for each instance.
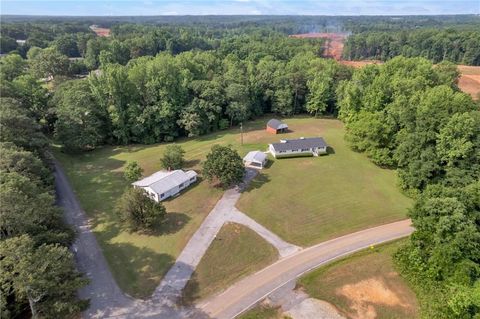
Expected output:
(311, 199)
(469, 81)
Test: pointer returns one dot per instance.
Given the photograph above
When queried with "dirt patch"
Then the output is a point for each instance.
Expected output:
(469, 69)
(470, 84)
(101, 32)
(333, 46)
(366, 294)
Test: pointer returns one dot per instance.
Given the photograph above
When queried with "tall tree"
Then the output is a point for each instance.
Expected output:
(81, 122)
(44, 276)
(224, 166)
(173, 157)
(139, 211)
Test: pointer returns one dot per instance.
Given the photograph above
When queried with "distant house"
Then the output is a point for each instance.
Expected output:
(302, 146)
(164, 184)
(255, 159)
(275, 126)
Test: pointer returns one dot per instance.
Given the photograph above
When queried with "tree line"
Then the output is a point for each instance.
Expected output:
(37, 270)
(408, 114)
(456, 45)
(154, 99)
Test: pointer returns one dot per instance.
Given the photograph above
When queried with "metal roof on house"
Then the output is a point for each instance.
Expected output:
(276, 124)
(163, 181)
(255, 156)
(300, 143)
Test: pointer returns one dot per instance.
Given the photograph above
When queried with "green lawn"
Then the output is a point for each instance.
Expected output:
(304, 200)
(364, 285)
(138, 261)
(307, 200)
(236, 252)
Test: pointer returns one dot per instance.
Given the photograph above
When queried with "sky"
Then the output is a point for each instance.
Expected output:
(238, 7)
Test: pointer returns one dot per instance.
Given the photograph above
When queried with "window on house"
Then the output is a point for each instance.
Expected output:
(162, 195)
(181, 185)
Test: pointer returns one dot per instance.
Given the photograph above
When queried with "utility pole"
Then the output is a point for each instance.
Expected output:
(241, 133)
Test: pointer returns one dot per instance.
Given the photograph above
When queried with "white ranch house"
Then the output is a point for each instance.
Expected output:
(303, 146)
(255, 159)
(164, 184)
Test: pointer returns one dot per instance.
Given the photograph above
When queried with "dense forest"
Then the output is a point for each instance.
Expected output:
(154, 80)
(458, 46)
(408, 114)
(38, 275)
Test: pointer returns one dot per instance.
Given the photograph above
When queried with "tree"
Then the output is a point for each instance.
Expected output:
(173, 157)
(139, 211)
(80, 120)
(49, 63)
(7, 44)
(16, 127)
(32, 96)
(223, 165)
(133, 172)
(317, 99)
(442, 256)
(67, 45)
(45, 277)
(238, 102)
(12, 66)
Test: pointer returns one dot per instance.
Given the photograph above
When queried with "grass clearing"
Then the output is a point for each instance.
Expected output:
(139, 261)
(307, 200)
(237, 251)
(364, 285)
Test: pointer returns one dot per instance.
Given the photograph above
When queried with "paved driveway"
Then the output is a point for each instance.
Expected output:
(108, 301)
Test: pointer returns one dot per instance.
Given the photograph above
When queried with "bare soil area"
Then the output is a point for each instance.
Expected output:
(469, 81)
(365, 295)
(101, 32)
(333, 46)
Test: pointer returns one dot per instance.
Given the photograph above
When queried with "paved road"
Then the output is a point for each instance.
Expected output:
(254, 288)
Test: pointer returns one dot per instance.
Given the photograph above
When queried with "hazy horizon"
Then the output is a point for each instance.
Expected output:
(239, 7)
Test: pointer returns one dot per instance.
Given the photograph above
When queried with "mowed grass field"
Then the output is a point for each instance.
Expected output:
(307, 200)
(139, 261)
(236, 251)
(364, 285)
(304, 200)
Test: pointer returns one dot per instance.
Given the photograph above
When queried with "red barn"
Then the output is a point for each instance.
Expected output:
(275, 126)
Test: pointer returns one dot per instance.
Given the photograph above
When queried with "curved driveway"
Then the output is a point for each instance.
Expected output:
(108, 301)
(247, 292)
